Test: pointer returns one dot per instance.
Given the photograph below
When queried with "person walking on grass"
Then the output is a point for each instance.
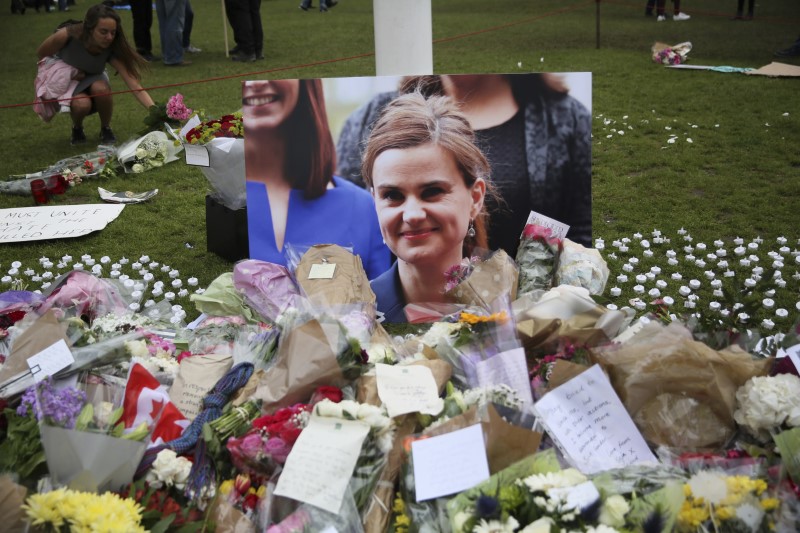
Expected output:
(740, 10)
(88, 46)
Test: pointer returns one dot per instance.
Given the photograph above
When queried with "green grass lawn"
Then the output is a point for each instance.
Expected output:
(740, 175)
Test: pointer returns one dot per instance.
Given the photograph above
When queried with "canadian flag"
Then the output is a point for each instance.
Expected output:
(146, 400)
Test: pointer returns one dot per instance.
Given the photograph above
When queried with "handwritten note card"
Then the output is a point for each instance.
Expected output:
(587, 419)
(46, 363)
(449, 463)
(408, 389)
(321, 462)
(507, 367)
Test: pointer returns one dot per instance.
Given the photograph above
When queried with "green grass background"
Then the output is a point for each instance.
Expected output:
(739, 176)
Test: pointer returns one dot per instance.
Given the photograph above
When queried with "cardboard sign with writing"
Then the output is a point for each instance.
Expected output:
(20, 224)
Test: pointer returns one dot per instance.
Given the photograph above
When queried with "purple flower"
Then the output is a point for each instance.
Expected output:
(278, 449)
(57, 407)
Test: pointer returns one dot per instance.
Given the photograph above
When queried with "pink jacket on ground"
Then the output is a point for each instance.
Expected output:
(54, 81)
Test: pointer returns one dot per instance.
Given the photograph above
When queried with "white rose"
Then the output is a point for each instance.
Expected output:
(459, 520)
(541, 525)
(137, 168)
(328, 408)
(614, 510)
(349, 409)
(137, 348)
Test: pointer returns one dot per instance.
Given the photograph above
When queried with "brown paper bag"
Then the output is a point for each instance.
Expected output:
(378, 513)
(505, 443)
(679, 392)
(490, 279)
(12, 496)
(346, 283)
(564, 371)
(197, 375)
(43, 333)
(228, 519)
(305, 360)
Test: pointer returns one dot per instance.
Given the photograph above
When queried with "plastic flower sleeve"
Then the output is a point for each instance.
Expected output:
(226, 173)
(266, 287)
(537, 256)
(150, 151)
(581, 267)
(487, 283)
(82, 294)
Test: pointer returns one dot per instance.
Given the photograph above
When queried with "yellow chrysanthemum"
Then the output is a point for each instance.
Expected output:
(399, 506)
(687, 490)
(769, 504)
(470, 318)
(725, 512)
(693, 516)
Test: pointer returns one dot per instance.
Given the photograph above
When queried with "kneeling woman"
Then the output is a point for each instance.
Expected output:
(88, 46)
(429, 180)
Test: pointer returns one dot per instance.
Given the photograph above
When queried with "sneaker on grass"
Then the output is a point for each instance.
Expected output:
(681, 16)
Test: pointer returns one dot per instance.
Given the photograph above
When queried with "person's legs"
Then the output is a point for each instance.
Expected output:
(78, 110)
(258, 30)
(188, 21)
(171, 15)
(142, 14)
(240, 19)
(648, 9)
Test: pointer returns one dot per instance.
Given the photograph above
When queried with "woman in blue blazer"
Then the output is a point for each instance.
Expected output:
(292, 195)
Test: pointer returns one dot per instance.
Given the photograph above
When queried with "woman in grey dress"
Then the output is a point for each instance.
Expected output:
(88, 46)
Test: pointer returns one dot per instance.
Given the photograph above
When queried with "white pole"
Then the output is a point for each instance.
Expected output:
(403, 37)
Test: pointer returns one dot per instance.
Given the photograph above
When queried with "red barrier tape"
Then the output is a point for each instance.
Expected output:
(316, 63)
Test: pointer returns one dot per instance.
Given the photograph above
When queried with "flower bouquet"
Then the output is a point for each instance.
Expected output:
(61, 175)
(172, 113)
(538, 252)
(150, 151)
(224, 140)
(85, 440)
(84, 511)
(665, 54)
(314, 349)
(375, 433)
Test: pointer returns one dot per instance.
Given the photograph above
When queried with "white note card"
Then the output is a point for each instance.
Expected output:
(408, 389)
(449, 463)
(507, 367)
(46, 363)
(559, 229)
(588, 421)
(321, 462)
(197, 155)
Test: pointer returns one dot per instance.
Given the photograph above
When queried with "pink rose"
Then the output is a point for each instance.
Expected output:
(277, 449)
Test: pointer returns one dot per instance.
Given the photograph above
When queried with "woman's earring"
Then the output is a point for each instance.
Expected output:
(471, 230)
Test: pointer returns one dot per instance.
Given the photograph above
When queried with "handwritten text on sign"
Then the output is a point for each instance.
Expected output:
(20, 224)
(586, 417)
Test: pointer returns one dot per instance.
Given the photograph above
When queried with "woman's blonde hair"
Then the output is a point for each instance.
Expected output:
(413, 120)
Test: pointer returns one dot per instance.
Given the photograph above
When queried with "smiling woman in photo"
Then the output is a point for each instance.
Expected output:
(292, 195)
(429, 181)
